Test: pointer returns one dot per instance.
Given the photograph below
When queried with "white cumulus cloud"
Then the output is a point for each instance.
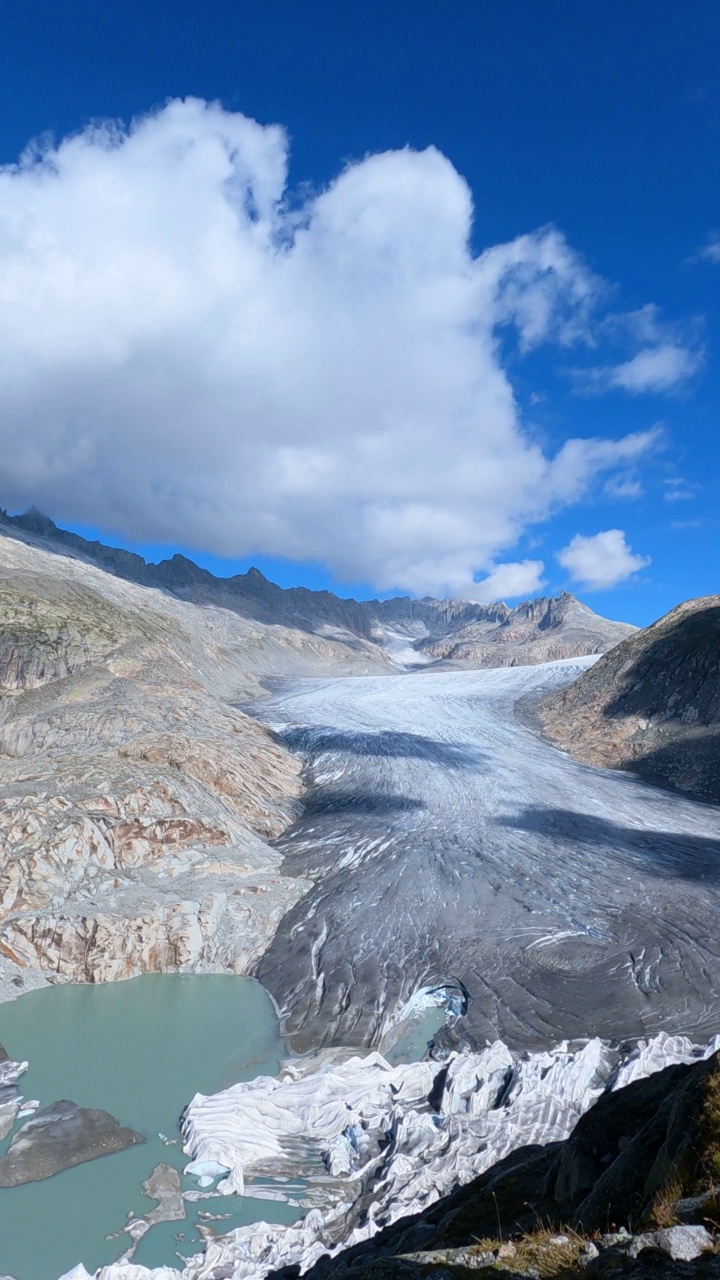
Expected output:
(710, 251)
(666, 356)
(602, 560)
(655, 368)
(523, 578)
(190, 355)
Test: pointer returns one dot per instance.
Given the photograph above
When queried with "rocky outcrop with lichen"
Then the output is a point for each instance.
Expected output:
(652, 704)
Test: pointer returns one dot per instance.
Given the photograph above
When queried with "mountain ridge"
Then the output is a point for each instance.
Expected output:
(461, 631)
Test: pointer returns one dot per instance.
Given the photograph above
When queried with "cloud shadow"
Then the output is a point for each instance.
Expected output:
(320, 803)
(673, 855)
(318, 740)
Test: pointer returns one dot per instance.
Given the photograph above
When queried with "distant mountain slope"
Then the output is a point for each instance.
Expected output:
(540, 630)
(652, 704)
(413, 632)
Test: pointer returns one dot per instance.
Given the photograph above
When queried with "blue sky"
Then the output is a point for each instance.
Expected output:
(306, 421)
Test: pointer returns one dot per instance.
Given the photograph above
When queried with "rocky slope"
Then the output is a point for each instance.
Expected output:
(535, 631)
(428, 630)
(136, 801)
(652, 704)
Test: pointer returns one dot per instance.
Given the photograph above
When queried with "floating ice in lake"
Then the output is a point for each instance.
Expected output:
(395, 1139)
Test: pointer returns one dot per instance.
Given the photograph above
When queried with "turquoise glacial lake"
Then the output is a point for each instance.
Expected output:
(139, 1049)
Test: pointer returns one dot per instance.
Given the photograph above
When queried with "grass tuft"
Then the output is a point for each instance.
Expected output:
(536, 1251)
(699, 1171)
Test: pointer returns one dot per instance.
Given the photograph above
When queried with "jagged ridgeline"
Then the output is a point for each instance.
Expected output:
(459, 631)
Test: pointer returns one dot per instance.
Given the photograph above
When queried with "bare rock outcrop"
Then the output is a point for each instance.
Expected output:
(59, 1137)
(136, 800)
(652, 704)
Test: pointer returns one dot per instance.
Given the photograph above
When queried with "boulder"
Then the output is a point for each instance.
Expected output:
(682, 1243)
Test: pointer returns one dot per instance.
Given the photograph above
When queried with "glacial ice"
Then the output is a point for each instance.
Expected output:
(447, 841)
(445, 838)
(394, 1139)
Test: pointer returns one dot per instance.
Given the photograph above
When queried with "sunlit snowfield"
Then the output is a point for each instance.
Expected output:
(448, 839)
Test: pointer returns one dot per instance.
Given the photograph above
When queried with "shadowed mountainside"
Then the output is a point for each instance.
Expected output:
(652, 704)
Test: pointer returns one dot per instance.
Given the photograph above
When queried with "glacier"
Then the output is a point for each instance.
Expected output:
(447, 841)
(567, 916)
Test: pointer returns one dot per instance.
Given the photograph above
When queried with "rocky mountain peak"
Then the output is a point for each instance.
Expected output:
(34, 521)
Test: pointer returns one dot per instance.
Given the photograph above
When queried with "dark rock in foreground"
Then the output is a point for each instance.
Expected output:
(58, 1137)
(632, 1161)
